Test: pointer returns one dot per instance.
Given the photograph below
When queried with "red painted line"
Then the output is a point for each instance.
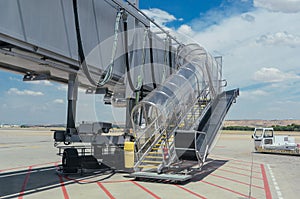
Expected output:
(243, 161)
(105, 190)
(25, 183)
(242, 169)
(191, 192)
(230, 190)
(239, 174)
(235, 160)
(237, 181)
(116, 181)
(63, 188)
(62, 185)
(240, 163)
(21, 167)
(145, 189)
(36, 165)
(90, 181)
(266, 184)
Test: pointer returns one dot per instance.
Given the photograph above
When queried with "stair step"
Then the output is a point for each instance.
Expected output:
(152, 175)
(151, 166)
(155, 152)
(154, 157)
(152, 162)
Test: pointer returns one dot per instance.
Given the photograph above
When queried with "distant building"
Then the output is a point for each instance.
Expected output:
(9, 126)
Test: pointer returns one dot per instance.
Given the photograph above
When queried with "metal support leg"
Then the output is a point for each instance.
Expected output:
(71, 115)
(129, 106)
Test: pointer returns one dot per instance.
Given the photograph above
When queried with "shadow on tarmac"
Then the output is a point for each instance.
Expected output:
(26, 182)
(210, 166)
(30, 181)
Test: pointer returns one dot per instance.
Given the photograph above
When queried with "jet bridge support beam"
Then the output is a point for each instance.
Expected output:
(130, 103)
(72, 100)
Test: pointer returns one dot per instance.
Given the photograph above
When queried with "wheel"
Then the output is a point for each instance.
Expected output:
(70, 160)
(105, 130)
(297, 150)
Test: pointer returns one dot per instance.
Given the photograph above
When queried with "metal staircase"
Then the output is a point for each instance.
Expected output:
(155, 158)
(175, 125)
(151, 155)
(157, 152)
(168, 149)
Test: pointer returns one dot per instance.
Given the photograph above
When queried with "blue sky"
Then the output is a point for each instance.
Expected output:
(189, 10)
(258, 39)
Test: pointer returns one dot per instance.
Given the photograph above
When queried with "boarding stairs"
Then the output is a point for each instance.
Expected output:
(166, 150)
(157, 152)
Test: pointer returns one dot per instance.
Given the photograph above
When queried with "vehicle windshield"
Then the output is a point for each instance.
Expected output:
(268, 133)
(258, 132)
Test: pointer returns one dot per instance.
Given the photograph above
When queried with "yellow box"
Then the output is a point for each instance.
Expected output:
(129, 154)
(128, 146)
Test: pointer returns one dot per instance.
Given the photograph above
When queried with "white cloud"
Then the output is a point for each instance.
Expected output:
(161, 17)
(14, 79)
(273, 75)
(287, 6)
(248, 17)
(16, 91)
(62, 87)
(259, 93)
(279, 38)
(236, 40)
(255, 94)
(40, 82)
(186, 30)
(58, 101)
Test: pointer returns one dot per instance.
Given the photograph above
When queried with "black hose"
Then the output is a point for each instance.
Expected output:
(127, 56)
(79, 42)
(80, 45)
(152, 62)
(170, 57)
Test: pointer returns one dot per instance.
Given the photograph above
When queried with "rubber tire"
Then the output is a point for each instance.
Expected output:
(70, 160)
(105, 130)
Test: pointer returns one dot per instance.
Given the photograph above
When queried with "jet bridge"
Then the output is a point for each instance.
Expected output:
(172, 92)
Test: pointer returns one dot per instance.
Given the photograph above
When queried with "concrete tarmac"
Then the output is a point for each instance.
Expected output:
(28, 162)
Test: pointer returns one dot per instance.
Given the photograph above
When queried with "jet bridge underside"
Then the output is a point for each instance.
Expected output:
(93, 44)
(41, 38)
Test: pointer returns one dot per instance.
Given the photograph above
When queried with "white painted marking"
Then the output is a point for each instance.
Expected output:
(278, 192)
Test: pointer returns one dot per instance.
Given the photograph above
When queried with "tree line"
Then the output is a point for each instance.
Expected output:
(290, 127)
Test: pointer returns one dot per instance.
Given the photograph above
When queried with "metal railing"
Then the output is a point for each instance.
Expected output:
(145, 144)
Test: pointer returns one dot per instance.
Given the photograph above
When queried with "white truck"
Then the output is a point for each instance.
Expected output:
(265, 141)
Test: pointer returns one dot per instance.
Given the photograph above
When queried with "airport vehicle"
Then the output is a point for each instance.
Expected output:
(265, 141)
(171, 94)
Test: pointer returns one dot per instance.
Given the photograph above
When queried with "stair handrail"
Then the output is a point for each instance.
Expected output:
(144, 131)
(202, 94)
(137, 141)
(141, 158)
